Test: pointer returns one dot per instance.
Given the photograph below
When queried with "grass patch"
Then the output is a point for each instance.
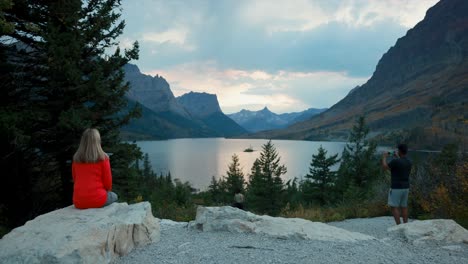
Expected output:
(175, 212)
(4, 230)
(337, 213)
(463, 222)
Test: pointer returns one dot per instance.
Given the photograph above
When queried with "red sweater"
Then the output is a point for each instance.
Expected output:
(91, 183)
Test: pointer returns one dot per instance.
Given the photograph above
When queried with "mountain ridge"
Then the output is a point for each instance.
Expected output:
(265, 119)
(164, 116)
(205, 107)
(153, 92)
(416, 94)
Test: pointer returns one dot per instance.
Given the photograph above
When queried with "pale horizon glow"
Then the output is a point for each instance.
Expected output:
(281, 92)
(287, 56)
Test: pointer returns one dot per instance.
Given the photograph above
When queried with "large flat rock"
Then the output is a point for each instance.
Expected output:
(231, 219)
(440, 230)
(70, 235)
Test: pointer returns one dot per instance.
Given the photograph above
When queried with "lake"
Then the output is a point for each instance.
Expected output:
(198, 159)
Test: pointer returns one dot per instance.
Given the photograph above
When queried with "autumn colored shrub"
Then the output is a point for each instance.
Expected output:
(439, 187)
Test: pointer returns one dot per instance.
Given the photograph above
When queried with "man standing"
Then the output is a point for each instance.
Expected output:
(400, 168)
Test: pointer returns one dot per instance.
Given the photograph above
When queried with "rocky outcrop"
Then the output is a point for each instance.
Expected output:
(200, 104)
(152, 92)
(164, 125)
(205, 107)
(164, 116)
(234, 220)
(70, 235)
(441, 230)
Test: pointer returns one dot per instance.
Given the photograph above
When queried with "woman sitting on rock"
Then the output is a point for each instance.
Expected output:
(91, 173)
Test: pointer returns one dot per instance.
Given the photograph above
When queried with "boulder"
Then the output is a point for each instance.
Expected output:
(70, 235)
(442, 230)
(234, 220)
(167, 223)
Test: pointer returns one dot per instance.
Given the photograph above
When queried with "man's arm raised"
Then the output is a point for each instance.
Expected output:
(384, 161)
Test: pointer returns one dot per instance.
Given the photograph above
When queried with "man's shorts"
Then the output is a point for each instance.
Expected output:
(398, 197)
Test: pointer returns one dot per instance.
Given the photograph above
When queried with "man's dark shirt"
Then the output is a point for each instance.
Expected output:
(400, 168)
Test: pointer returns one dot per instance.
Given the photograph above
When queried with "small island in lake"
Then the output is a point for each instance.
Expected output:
(249, 149)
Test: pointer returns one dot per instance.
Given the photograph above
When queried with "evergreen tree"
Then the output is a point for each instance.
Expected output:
(59, 81)
(162, 191)
(265, 192)
(257, 196)
(18, 116)
(235, 178)
(5, 27)
(137, 164)
(126, 179)
(169, 178)
(293, 194)
(320, 180)
(183, 193)
(216, 190)
(359, 166)
(147, 170)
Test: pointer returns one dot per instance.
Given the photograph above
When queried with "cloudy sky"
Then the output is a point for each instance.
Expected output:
(287, 55)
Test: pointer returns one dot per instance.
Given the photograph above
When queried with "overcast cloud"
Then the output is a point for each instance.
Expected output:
(287, 55)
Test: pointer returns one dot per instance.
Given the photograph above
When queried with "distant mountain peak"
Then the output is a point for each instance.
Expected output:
(265, 119)
(163, 116)
(200, 104)
(266, 109)
(131, 68)
(205, 107)
(152, 92)
(200, 93)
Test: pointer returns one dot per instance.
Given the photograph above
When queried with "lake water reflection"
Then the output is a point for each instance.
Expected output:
(197, 160)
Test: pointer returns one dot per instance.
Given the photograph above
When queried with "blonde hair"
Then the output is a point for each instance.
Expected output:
(90, 150)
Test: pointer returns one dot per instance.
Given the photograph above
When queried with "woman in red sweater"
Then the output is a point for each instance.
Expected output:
(91, 173)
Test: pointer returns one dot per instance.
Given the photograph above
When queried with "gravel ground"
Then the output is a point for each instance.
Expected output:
(376, 227)
(180, 245)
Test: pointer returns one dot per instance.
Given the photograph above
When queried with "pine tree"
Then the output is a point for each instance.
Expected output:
(169, 178)
(216, 191)
(126, 179)
(147, 170)
(257, 191)
(359, 165)
(5, 27)
(265, 192)
(293, 193)
(235, 178)
(60, 80)
(17, 114)
(320, 180)
(182, 193)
